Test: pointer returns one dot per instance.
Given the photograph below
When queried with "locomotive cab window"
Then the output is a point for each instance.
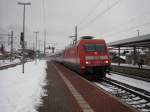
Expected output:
(95, 47)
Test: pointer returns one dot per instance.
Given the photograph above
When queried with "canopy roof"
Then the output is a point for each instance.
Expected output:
(139, 41)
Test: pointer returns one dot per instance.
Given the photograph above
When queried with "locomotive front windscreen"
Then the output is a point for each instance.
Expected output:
(95, 47)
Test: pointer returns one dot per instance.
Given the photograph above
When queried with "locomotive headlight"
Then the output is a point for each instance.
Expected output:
(106, 61)
(87, 62)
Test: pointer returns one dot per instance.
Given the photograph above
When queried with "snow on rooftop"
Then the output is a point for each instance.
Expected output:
(22, 92)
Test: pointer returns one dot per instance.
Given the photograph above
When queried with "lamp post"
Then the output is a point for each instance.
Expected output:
(76, 33)
(36, 33)
(138, 32)
(23, 44)
(40, 45)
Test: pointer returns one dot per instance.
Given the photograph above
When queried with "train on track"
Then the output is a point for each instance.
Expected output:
(88, 56)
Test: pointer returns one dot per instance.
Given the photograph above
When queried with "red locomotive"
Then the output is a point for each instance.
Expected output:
(88, 57)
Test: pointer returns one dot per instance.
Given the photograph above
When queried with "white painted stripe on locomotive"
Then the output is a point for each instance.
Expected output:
(96, 57)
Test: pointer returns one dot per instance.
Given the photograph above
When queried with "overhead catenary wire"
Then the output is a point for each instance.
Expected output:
(132, 20)
(90, 12)
(99, 15)
(126, 23)
(44, 24)
(131, 28)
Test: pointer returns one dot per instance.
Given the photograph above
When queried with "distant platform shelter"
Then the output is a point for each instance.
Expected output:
(134, 43)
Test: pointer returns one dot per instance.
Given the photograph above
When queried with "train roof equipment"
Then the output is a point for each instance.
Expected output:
(86, 37)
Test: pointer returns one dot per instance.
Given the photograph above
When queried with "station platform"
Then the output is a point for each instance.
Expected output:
(69, 92)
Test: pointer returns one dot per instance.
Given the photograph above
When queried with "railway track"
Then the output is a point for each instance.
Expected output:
(132, 76)
(136, 97)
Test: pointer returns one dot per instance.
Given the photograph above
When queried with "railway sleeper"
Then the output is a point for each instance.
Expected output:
(141, 103)
(132, 98)
(136, 98)
(147, 106)
(145, 110)
(137, 103)
(125, 93)
(141, 107)
(126, 97)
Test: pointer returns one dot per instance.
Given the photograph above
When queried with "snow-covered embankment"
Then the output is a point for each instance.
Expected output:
(22, 92)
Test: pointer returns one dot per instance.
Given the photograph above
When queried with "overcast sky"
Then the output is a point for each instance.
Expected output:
(108, 19)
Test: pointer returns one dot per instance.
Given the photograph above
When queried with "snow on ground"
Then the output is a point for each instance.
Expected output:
(8, 62)
(131, 81)
(104, 87)
(22, 92)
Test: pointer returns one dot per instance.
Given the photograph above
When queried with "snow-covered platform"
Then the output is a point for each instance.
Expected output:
(69, 92)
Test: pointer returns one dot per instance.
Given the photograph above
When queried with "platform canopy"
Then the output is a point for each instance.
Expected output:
(139, 41)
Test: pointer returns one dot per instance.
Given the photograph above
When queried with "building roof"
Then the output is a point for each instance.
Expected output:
(141, 41)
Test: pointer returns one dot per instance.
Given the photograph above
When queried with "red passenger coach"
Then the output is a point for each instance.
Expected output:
(88, 57)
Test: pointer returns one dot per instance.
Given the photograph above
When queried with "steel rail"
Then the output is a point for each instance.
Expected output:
(136, 91)
(136, 97)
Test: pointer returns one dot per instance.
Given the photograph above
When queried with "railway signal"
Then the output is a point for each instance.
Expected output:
(2, 49)
(21, 38)
(11, 42)
(23, 33)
